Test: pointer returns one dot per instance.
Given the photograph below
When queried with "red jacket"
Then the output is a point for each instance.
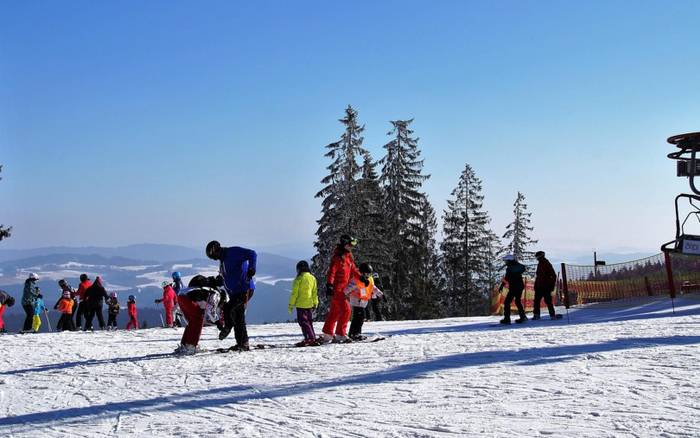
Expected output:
(82, 288)
(342, 267)
(169, 296)
(545, 278)
(131, 306)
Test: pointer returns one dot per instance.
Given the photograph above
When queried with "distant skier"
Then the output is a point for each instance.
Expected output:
(342, 267)
(29, 296)
(516, 285)
(304, 297)
(133, 315)
(39, 308)
(545, 280)
(6, 300)
(178, 286)
(112, 311)
(360, 291)
(201, 300)
(65, 307)
(95, 296)
(237, 266)
(169, 299)
(82, 312)
(66, 287)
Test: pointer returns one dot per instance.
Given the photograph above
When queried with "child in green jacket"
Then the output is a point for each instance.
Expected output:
(305, 298)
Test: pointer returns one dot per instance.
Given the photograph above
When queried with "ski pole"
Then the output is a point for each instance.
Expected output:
(162, 323)
(48, 321)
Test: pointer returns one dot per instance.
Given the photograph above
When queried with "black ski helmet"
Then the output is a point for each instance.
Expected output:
(347, 239)
(10, 301)
(303, 266)
(83, 277)
(366, 268)
(132, 298)
(213, 250)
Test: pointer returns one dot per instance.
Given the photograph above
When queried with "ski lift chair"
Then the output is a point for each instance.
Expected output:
(687, 166)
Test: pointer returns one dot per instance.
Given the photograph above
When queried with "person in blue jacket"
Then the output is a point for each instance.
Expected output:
(237, 266)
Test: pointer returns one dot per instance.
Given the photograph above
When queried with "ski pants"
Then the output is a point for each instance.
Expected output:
(514, 293)
(338, 315)
(65, 322)
(133, 323)
(2, 322)
(195, 318)
(81, 313)
(234, 316)
(169, 310)
(358, 319)
(112, 320)
(92, 310)
(547, 295)
(29, 318)
(305, 319)
(36, 323)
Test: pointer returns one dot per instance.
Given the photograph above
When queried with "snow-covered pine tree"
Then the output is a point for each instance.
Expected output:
(371, 227)
(339, 212)
(426, 292)
(401, 179)
(464, 246)
(518, 232)
(4, 232)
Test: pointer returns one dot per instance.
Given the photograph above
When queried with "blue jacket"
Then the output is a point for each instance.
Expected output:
(234, 267)
(39, 306)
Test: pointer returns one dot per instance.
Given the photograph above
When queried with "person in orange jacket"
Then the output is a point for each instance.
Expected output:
(169, 299)
(339, 273)
(131, 310)
(65, 306)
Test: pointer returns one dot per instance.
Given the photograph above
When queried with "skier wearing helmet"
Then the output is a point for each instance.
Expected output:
(112, 311)
(169, 299)
(133, 316)
(360, 291)
(29, 297)
(6, 300)
(304, 297)
(178, 285)
(237, 266)
(341, 269)
(516, 285)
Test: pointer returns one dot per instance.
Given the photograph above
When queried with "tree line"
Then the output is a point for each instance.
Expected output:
(381, 204)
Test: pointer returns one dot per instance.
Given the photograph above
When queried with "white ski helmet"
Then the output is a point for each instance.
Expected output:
(165, 284)
(33, 277)
(509, 258)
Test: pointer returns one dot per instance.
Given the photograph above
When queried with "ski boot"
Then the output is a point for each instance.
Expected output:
(521, 320)
(242, 347)
(535, 317)
(340, 339)
(505, 321)
(324, 339)
(224, 332)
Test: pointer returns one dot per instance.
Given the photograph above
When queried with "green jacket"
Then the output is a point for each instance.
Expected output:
(31, 292)
(304, 292)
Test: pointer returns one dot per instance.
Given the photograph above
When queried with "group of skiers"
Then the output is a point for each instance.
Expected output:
(545, 281)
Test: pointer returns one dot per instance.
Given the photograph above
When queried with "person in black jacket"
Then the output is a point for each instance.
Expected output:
(95, 296)
(545, 281)
(516, 285)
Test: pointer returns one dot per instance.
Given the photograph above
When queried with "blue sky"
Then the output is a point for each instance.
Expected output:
(179, 122)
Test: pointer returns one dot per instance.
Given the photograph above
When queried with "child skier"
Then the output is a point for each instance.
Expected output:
(131, 308)
(112, 311)
(66, 287)
(6, 300)
(360, 291)
(39, 307)
(305, 298)
(65, 306)
(169, 299)
(177, 287)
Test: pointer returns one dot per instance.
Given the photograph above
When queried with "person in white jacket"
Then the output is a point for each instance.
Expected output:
(360, 291)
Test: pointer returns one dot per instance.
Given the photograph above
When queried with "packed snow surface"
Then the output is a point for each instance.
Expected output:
(621, 369)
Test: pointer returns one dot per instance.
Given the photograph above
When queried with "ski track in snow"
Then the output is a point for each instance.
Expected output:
(614, 371)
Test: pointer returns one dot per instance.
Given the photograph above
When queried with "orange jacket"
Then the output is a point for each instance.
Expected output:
(65, 305)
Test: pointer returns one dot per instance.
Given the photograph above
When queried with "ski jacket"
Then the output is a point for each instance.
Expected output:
(4, 296)
(359, 294)
(341, 269)
(545, 278)
(169, 296)
(113, 304)
(304, 292)
(30, 293)
(96, 294)
(131, 308)
(39, 306)
(82, 288)
(69, 288)
(65, 305)
(514, 275)
(232, 268)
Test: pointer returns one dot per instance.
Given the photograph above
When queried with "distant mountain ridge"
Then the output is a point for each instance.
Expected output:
(142, 251)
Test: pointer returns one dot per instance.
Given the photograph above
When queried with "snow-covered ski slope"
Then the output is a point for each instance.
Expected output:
(613, 370)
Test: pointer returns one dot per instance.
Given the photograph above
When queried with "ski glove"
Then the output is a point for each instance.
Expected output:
(250, 274)
(329, 290)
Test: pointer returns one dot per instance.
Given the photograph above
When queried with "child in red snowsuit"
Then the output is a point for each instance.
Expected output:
(169, 299)
(131, 306)
(341, 269)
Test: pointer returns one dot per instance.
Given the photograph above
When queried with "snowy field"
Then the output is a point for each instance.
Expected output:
(609, 370)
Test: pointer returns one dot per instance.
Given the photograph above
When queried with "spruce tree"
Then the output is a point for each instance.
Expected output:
(518, 232)
(402, 180)
(4, 231)
(339, 212)
(425, 274)
(465, 245)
